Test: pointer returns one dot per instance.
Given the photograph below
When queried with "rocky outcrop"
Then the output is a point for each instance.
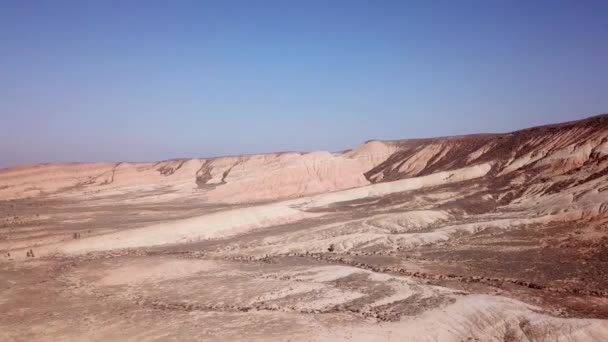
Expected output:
(544, 151)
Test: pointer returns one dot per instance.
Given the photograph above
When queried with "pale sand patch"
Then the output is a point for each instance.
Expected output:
(323, 273)
(487, 318)
(326, 298)
(293, 289)
(409, 220)
(215, 225)
(154, 270)
(319, 240)
(406, 287)
(378, 224)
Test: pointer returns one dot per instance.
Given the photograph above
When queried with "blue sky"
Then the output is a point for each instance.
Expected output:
(149, 80)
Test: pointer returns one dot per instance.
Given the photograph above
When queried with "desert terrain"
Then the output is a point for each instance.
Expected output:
(488, 237)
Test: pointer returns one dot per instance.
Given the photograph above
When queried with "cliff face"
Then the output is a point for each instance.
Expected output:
(563, 163)
(556, 157)
(540, 151)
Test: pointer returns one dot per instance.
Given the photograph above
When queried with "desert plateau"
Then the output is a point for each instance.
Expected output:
(483, 237)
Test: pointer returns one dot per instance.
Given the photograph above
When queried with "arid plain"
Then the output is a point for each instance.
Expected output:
(489, 237)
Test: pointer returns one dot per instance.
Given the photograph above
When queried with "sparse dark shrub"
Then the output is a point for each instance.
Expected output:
(331, 248)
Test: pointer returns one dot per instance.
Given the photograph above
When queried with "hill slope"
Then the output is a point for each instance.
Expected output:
(559, 156)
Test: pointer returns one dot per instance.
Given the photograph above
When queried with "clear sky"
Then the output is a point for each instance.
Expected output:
(148, 80)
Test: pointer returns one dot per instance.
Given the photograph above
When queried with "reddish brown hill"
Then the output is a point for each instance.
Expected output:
(547, 151)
